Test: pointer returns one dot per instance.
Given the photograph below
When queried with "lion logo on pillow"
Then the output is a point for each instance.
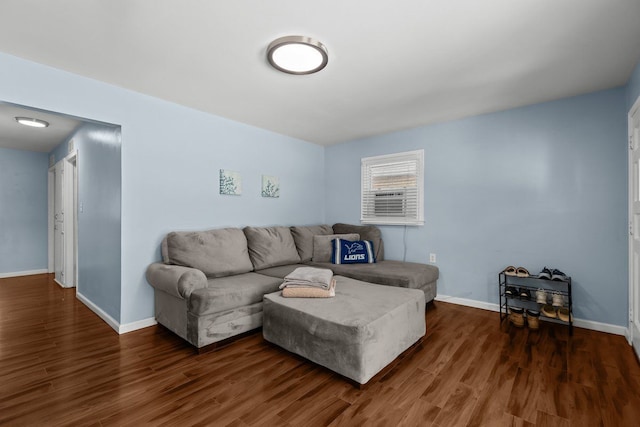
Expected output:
(354, 247)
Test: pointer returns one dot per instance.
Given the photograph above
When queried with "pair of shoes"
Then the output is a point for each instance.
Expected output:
(516, 316)
(541, 296)
(554, 274)
(557, 300)
(533, 319)
(518, 272)
(561, 313)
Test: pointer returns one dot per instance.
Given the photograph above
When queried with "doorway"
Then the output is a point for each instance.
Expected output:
(63, 223)
(634, 227)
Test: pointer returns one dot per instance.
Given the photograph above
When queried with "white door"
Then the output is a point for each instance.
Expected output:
(58, 223)
(634, 226)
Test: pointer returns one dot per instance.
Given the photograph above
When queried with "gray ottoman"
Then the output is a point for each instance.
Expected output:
(356, 334)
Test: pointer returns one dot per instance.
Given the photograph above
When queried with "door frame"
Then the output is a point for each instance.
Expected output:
(630, 218)
(50, 222)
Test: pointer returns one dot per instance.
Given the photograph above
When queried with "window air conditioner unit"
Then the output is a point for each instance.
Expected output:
(389, 203)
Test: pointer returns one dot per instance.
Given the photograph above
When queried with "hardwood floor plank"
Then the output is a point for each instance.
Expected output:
(61, 365)
(494, 395)
(523, 396)
(459, 407)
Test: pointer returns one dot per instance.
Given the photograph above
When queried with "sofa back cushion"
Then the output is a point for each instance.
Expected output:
(366, 232)
(271, 246)
(303, 236)
(217, 253)
(322, 248)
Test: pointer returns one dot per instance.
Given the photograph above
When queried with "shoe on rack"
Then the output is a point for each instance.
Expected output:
(564, 315)
(522, 272)
(549, 311)
(510, 271)
(511, 291)
(533, 319)
(557, 300)
(558, 275)
(516, 316)
(541, 296)
(545, 274)
(524, 293)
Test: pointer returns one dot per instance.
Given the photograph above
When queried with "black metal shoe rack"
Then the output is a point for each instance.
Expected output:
(532, 284)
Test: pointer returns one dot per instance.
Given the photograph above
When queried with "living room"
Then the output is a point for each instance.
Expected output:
(541, 184)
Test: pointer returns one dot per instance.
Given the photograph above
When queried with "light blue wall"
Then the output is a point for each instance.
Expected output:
(533, 186)
(23, 211)
(633, 87)
(99, 222)
(170, 161)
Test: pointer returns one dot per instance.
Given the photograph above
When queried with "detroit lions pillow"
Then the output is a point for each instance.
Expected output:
(352, 252)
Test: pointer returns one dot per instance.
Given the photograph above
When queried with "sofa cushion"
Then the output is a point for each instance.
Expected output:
(217, 253)
(280, 271)
(390, 273)
(322, 248)
(366, 232)
(352, 252)
(303, 236)
(271, 246)
(228, 293)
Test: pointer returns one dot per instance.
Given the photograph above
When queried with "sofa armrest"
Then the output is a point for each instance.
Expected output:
(176, 280)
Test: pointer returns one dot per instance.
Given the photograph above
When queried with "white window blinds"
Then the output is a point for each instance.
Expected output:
(393, 189)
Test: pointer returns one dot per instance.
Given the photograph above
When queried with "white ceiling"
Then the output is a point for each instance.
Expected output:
(392, 65)
(19, 137)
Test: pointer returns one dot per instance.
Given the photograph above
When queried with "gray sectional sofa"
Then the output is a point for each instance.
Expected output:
(210, 284)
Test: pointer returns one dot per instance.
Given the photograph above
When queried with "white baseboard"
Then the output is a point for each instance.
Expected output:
(580, 323)
(468, 302)
(134, 326)
(100, 312)
(23, 273)
(115, 325)
(602, 327)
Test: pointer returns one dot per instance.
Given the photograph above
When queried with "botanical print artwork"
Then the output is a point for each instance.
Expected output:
(270, 186)
(230, 183)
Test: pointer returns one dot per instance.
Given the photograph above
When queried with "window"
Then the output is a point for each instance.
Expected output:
(393, 189)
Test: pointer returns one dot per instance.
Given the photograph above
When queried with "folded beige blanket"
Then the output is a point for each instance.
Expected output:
(310, 292)
(306, 277)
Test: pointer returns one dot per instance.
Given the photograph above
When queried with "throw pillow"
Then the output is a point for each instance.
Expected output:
(352, 252)
(303, 236)
(322, 245)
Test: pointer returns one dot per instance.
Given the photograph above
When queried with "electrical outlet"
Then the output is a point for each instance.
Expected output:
(432, 258)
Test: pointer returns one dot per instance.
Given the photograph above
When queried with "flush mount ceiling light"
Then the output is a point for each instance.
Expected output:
(297, 55)
(34, 123)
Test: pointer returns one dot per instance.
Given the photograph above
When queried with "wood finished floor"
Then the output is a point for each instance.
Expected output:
(61, 365)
